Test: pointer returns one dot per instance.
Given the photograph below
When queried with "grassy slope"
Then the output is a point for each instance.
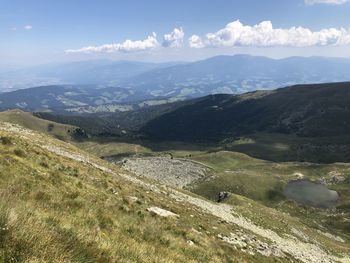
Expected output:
(264, 181)
(56, 209)
(307, 110)
(276, 147)
(259, 180)
(26, 119)
(288, 147)
(297, 123)
(60, 210)
(113, 146)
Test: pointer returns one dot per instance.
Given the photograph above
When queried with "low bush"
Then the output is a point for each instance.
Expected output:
(19, 152)
(6, 140)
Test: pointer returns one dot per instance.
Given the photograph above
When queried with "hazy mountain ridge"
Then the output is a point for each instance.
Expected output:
(221, 74)
(69, 98)
(94, 72)
(242, 73)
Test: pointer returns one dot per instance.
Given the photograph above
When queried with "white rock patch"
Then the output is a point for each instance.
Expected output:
(161, 212)
(330, 236)
(174, 172)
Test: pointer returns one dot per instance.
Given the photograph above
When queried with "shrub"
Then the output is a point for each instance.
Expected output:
(79, 133)
(6, 140)
(44, 164)
(19, 153)
(50, 127)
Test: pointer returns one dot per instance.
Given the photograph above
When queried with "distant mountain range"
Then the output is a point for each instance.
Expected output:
(239, 74)
(95, 72)
(103, 85)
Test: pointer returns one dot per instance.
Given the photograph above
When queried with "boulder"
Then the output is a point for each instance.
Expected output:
(161, 212)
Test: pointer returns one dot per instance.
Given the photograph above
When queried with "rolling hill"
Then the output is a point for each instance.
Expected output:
(28, 120)
(305, 110)
(303, 118)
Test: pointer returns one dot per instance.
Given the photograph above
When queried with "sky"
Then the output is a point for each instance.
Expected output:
(50, 31)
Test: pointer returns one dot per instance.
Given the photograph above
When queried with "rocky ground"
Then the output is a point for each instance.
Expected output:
(167, 170)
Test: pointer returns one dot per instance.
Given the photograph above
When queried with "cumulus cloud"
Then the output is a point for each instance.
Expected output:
(195, 42)
(148, 43)
(28, 27)
(174, 39)
(265, 35)
(328, 2)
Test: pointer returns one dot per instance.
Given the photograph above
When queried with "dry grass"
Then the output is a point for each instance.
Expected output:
(28, 120)
(57, 210)
(54, 209)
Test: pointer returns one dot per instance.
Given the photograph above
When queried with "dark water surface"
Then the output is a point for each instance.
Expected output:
(311, 193)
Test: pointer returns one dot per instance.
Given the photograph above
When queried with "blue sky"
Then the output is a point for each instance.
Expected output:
(38, 31)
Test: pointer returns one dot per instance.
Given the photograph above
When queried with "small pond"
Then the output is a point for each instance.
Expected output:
(311, 193)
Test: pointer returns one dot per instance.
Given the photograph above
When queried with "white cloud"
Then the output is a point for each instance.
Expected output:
(150, 42)
(195, 42)
(328, 2)
(28, 27)
(174, 39)
(264, 35)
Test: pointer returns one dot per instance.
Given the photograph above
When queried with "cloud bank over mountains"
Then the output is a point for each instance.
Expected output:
(265, 35)
(174, 39)
(128, 45)
(234, 34)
